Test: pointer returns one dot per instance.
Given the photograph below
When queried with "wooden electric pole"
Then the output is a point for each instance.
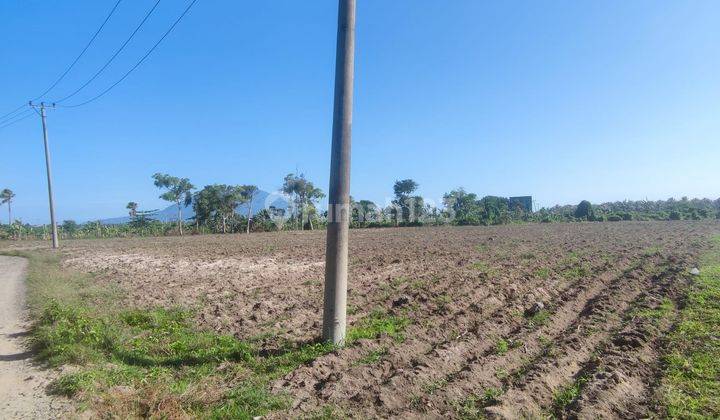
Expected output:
(55, 241)
(336, 254)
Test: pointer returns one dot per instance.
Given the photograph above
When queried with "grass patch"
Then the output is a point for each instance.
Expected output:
(690, 384)
(373, 357)
(329, 412)
(433, 386)
(575, 272)
(650, 251)
(377, 324)
(482, 248)
(502, 346)
(564, 396)
(472, 406)
(542, 273)
(665, 308)
(539, 319)
(156, 362)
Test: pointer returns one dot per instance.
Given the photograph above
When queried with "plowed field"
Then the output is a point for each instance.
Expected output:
(525, 320)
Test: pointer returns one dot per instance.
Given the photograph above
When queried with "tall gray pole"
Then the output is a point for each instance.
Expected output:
(336, 254)
(55, 241)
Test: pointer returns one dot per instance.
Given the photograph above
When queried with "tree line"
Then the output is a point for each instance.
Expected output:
(216, 207)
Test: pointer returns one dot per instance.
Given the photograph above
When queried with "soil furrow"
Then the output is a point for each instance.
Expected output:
(622, 383)
(533, 387)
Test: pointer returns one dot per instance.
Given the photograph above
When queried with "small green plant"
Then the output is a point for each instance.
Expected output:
(374, 356)
(484, 268)
(539, 319)
(471, 407)
(542, 272)
(433, 386)
(419, 284)
(575, 272)
(491, 396)
(567, 394)
(501, 347)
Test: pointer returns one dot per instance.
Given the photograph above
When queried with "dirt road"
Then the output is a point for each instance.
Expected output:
(22, 385)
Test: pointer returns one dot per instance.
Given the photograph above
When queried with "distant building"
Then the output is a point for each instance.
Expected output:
(524, 202)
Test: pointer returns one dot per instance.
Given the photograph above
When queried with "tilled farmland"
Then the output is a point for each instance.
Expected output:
(520, 320)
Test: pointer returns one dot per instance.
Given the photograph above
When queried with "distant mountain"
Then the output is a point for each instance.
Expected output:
(263, 200)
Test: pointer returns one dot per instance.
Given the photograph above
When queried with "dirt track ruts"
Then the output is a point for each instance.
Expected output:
(22, 384)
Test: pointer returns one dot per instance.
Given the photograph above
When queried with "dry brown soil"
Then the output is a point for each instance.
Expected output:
(465, 290)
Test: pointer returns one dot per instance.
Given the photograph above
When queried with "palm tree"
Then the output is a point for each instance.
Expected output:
(6, 196)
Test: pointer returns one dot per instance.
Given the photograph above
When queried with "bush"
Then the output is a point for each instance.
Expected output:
(614, 218)
(675, 215)
(627, 216)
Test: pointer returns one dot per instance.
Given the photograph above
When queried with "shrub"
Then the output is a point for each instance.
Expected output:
(627, 216)
(614, 218)
(675, 215)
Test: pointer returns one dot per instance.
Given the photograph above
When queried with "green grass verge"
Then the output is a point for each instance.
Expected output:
(691, 380)
(155, 362)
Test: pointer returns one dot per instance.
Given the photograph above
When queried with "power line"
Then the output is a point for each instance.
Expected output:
(187, 9)
(8, 115)
(81, 53)
(62, 76)
(119, 50)
(20, 117)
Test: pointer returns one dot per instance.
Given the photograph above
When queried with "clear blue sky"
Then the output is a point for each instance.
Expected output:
(563, 100)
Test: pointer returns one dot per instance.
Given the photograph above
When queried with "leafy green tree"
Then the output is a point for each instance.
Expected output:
(217, 201)
(304, 195)
(496, 210)
(463, 207)
(403, 190)
(229, 197)
(6, 196)
(70, 227)
(178, 192)
(364, 211)
(584, 211)
(249, 192)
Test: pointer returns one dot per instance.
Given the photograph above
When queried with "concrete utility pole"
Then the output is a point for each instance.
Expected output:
(55, 241)
(336, 254)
